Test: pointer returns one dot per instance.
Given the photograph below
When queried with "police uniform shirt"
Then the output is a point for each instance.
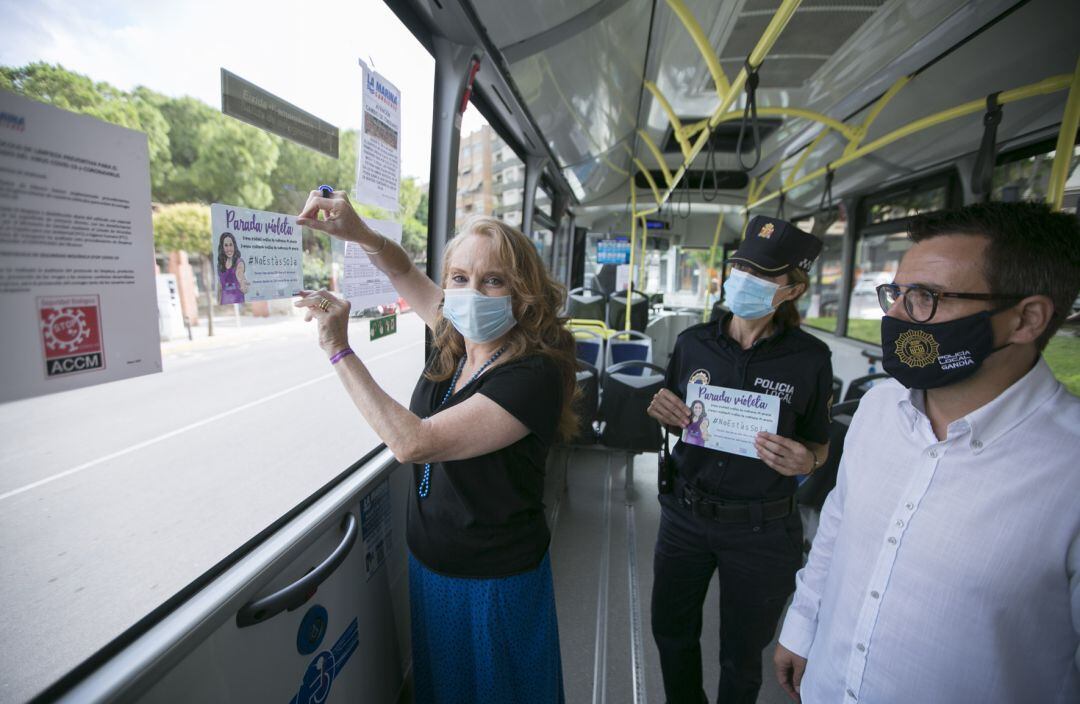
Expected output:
(790, 363)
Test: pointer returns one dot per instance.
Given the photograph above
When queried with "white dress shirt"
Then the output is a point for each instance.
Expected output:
(948, 571)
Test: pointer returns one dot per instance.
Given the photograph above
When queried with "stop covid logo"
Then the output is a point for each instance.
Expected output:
(71, 334)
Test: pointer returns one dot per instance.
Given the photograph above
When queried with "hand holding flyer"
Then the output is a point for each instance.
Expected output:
(729, 420)
(258, 255)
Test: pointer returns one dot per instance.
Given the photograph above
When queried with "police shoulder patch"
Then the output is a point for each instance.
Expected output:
(700, 376)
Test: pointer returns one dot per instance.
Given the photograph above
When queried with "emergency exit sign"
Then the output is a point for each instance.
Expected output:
(381, 327)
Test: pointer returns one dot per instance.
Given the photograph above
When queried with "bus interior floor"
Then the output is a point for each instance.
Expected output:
(604, 527)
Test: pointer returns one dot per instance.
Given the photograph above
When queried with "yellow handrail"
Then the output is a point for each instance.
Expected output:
(705, 309)
(848, 131)
(1059, 173)
(761, 49)
(1044, 87)
(649, 178)
(676, 123)
(576, 325)
(694, 29)
(659, 159)
(764, 181)
(804, 156)
(642, 281)
(692, 129)
(633, 241)
(875, 111)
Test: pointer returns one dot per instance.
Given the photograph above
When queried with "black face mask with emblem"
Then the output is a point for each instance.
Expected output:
(932, 355)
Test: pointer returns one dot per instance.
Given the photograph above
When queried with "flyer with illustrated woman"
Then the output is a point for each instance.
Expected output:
(729, 420)
(258, 255)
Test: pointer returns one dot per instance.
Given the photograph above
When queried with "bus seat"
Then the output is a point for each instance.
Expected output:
(625, 399)
(585, 303)
(837, 388)
(590, 347)
(628, 345)
(639, 311)
(588, 382)
(860, 386)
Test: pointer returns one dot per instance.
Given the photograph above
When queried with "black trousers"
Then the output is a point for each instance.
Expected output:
(757, 566)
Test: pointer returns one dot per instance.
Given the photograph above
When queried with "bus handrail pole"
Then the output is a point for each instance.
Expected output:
(659, 160)
(649, 178)
(768, 38)
(642, 281)
(1059, 173)
(633, 240)
(712, 264)
(676, 123)
(1044, 87)
(720, 81)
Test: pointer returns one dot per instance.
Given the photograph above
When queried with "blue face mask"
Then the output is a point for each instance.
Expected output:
(748, 296)
(477, 317)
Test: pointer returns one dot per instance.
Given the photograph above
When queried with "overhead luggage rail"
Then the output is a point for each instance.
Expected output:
(729, 91)
(1043, 87)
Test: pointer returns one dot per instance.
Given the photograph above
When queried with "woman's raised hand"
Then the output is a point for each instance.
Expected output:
(333, 316)
(669, 409)
(340, 220)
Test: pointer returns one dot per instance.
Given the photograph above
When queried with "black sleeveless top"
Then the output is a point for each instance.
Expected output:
(484, 516)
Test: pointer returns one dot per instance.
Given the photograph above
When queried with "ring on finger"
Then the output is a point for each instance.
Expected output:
(324, 304)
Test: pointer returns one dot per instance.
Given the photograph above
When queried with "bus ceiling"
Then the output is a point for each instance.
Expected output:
(651, 95)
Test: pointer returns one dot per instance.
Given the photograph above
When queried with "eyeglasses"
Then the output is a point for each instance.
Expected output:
(921, 303)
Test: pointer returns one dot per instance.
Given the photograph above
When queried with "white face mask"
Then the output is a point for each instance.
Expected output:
(477, 317)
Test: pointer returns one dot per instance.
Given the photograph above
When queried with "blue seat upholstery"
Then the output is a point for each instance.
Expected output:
(629, 346)
(590, 348)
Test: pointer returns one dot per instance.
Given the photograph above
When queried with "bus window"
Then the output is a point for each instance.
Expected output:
(115, 497)
(819, 306)
(906, 204)
(876, 261)
(691, 277)
(508, 175)
(882, 243)
(1025, 175)
(491, 177)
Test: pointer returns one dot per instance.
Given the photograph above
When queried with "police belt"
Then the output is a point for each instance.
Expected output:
(725, 511)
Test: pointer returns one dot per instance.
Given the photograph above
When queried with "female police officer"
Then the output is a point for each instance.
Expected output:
(733, 513)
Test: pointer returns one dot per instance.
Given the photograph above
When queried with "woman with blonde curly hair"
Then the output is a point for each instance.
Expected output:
(496, 393)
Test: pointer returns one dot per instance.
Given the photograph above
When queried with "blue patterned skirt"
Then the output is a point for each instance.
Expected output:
(485, 640)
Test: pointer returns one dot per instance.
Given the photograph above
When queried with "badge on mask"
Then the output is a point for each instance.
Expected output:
(931, 355)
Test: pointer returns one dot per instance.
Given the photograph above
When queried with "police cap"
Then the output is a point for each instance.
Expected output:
(774, 247)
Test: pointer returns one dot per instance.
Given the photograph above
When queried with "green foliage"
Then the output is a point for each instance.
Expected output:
(233, 164)
(1063, 356)
(316, 271)
(300, 170)
(185, 116)
(413, 215)
(57, 86)
(182, 227)
(198, 155)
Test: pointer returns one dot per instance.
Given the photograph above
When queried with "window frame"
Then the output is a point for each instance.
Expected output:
(859, 228)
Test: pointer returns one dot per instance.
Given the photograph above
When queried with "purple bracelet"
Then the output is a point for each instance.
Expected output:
(341, 355)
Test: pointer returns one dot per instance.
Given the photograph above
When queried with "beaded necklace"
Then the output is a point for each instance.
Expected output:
(425, 483)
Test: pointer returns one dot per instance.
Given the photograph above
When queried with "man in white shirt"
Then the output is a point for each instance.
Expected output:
(946, 567)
